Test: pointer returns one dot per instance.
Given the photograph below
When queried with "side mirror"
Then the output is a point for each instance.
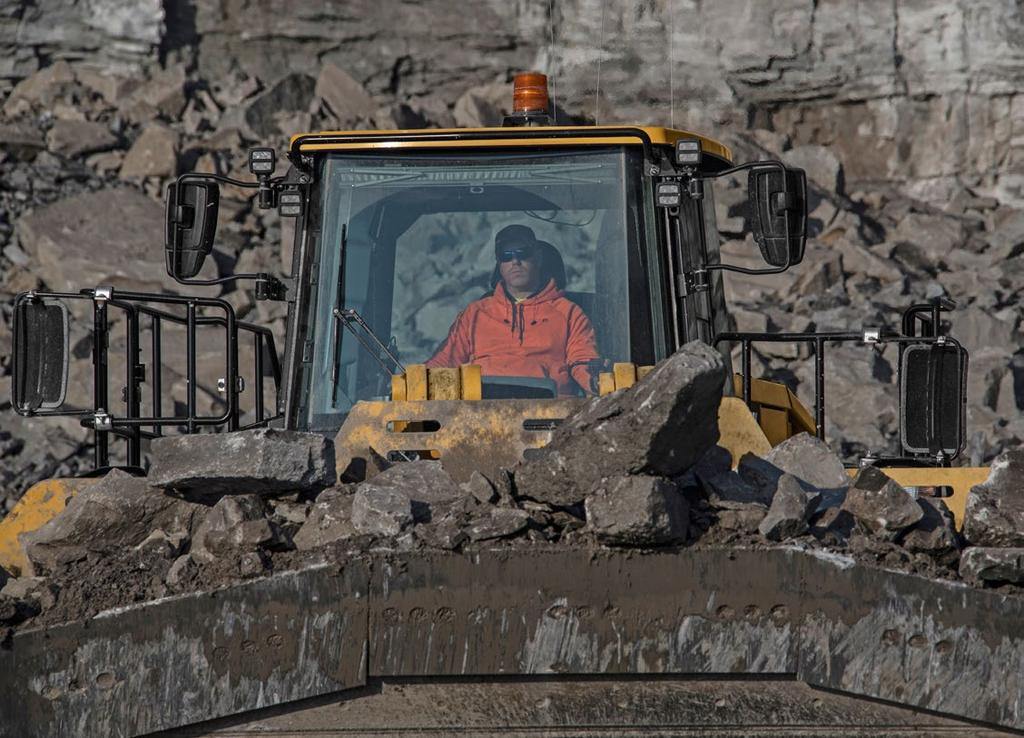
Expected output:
(933, 398)
(41, 358)
(777, 203)
(191, 223)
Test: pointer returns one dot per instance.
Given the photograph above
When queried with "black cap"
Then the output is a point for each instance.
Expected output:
(512, 236)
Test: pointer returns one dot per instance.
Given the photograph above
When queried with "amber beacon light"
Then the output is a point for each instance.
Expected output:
(530, 93)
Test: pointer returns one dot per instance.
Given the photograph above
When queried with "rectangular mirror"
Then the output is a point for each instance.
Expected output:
(40, 366)
(933, 398)
(191, 224)
(777, 203)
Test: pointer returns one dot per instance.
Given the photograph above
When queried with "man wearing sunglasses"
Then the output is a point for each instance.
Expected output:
(526, 327)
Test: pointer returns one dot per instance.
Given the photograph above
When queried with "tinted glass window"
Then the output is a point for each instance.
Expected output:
(408, 249)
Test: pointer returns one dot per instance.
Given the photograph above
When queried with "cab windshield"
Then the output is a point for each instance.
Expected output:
(408, 250)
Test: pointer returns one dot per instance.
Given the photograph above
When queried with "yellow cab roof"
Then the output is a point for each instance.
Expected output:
(657, 135)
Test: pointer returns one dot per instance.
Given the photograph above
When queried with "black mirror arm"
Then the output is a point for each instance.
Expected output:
(268, 287)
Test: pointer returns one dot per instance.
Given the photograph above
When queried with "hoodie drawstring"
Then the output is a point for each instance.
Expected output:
(519, 320)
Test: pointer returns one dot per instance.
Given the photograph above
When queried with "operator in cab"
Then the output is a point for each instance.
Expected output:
(527, 327)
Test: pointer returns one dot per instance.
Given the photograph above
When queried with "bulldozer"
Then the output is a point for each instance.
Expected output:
(393, 238)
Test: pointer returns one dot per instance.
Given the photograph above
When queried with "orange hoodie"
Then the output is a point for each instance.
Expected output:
(545, 335)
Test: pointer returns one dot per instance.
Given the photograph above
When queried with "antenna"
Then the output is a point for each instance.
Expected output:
(672, 66)
(600, 57)
(551, 51)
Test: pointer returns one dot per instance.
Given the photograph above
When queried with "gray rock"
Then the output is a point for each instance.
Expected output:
(792, 505)
(637, 511)
(381, 511)
(810, 460)
(497, 522)
(163, 94)
(424, 483)
(329, 520)
(117, 512)
(981, 564)
(821, 165)
(880, 505)
(761, 476)
(994, 515)
(234, 525)
(345, 97)
(730, 491)
(183, 570)
(72, 138)
(833, 526)
(105, 251)
(260, 461)
(745, 521)
(480, 488)
(21, 140)
(935, 533)
(661, 426)
(290, 95)
(154, 154)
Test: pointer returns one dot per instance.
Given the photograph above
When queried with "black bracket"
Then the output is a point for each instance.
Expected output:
(692, 282)
(269, 287)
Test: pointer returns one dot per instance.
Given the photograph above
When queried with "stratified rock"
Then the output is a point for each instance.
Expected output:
(880, 505)
(116, 513)
(637, 511)
(235, 525)
(381, 511)
(71, 138)
(154, 154)
(935, 533)
(995, 509)
(792, 505)
(821, 165)
(992, 565)
(163, 94)
(264, 460)
(661, 426)
(329, 520)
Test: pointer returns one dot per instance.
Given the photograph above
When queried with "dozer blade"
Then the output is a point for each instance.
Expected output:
(798, 620)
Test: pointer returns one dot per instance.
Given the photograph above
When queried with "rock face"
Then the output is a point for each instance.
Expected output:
(637, 511)
(118, 512)
(881, 505)
(257, 461)
(995, 509)
(661, 426)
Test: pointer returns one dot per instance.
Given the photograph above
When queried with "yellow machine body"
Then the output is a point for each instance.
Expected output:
(37, 507)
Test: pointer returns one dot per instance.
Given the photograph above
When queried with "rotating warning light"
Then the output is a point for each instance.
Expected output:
(530, 93)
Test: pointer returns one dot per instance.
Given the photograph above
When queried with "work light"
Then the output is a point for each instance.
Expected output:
(289, 204)
(262, 161)
(688, 152)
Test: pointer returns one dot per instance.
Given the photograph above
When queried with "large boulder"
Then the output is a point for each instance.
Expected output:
(935, 533)
(880, 505)
(637, 511)
(994, 515)
(660, 427)
(118, 512)
(264, 460)
(380, 511)
(809, 459)
(109, 237)
(424, 483)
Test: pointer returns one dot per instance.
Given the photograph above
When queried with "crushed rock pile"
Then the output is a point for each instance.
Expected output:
(638, 469)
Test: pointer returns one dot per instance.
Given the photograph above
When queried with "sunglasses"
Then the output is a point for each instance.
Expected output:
(519, 253)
